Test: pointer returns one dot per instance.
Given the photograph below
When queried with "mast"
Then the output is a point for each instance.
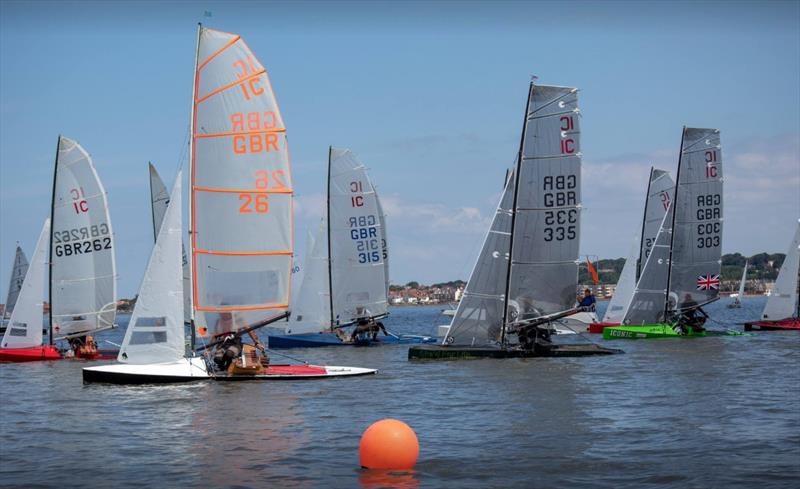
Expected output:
(644, 221)
(330, 260)
(190, 176)
(517, 169)
(152, 198)
(672, 226)
(50, 251)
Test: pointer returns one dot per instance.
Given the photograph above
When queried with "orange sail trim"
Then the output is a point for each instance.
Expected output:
(240, 133)
(243, 191)
(243, 253)
(230, 85)
(219, 51)
(235, 309)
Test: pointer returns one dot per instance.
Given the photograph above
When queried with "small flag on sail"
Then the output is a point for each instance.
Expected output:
(592, 271)
(708, 282)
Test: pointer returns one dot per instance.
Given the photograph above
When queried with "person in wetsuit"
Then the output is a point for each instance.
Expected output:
(692, 317)
(227, 351)
(588, 303)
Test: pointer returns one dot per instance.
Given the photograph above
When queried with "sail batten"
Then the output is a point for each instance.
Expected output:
(241, 206)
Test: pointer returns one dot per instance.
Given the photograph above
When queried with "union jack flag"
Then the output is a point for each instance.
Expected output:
(708, 282)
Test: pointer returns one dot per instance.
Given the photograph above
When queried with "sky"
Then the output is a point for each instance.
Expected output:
(429, 95)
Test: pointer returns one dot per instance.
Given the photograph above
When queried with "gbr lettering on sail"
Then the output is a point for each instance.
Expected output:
(709, 206)
(560, 191)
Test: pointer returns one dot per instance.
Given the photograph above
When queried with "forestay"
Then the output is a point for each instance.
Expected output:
(155, 331)
(24, 329)
(18, 271)
(546, 230)
(241, 196)
(697, 222)
(617, 308)
(660, 191)
(647, 305)
(311, 310)
(358, 272)
(83, 282)
(159, 199)
(782, 303)
(384, 241)
(479, 317)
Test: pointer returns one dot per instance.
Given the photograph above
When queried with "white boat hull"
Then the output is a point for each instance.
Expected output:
(183, 370)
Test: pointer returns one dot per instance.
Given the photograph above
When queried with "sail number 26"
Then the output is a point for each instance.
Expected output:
(259, 202)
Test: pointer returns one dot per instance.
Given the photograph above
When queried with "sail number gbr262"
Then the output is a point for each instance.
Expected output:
(82, 241)
(560, 191)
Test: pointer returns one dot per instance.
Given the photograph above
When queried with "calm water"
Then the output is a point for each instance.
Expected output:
(709, 412)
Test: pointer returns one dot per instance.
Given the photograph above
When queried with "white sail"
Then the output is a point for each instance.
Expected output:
(660, 192)
(782, 303)
(742, 283)
(358, 272)
(696, 251)
(155, 332)
(384, 241)
(24, 329)
(311, 311)
(159, 199)
(18, 271)
(479, 317)
(83, 282)
(648, 303)
(546, 229)
(626, 284)
(241, 191)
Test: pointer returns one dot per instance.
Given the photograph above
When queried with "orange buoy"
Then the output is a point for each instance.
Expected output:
(388, 444)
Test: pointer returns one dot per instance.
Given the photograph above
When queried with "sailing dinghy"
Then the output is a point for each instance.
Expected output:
(737, 300)
(526, 274)
(349, 256)
(682, 271)
(782, 311)
(242, 241)
(153, 350)
(22, 340)
(18, 270)
(660, 189)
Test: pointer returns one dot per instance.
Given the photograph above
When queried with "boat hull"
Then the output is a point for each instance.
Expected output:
(439, 352)
(32, 354)
(597, 328)
(299, 372)
(661, 330)
(184, 370)
(314, 340)
(790, 324)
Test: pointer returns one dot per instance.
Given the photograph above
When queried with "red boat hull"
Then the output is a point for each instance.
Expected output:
(32, 354)
(599, 327)
(788, 324)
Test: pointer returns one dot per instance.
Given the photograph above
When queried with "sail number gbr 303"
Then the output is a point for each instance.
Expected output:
(709, 206)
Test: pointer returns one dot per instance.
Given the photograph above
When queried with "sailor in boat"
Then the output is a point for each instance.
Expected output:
(367, 328)
(231, 348)
(692, 317)
(83, 346)
(588, 302)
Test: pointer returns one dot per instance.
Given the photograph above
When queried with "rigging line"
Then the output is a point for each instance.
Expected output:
(184, 152)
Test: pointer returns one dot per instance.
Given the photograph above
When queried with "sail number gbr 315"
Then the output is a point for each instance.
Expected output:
(560, 191)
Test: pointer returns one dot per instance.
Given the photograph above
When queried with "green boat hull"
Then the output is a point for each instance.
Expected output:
(660, 330)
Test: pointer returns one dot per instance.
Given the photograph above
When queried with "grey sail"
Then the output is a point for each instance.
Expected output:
(18, 271)
(546, 229)
(647, 304)
(660, 191)
(159, 199)
(695, 263)
(479, 317)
